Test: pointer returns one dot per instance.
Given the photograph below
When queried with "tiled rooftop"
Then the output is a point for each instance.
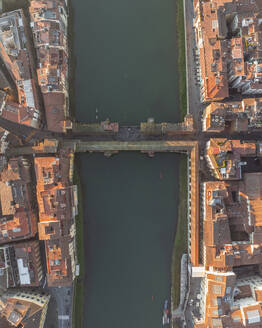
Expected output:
(230, 50)
(25, 309)
(224, 157)
(234, 116)
(17, 218)
(230, 302)
(57, 203)
(60, 257)
(233, 222)
(232, 219)
(15, 52)
(49, 26)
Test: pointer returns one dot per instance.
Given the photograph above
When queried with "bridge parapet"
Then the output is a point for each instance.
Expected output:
(142, 146)
(156, 129)
(81, 146)
(102, 128)
(133, 132)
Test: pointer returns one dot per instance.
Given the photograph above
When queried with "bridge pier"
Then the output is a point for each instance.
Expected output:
(109, 153)
(149, 153)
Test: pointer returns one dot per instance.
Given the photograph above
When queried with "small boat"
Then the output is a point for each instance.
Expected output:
(166, 314)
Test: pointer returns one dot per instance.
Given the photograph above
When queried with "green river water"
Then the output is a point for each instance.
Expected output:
(126, 57)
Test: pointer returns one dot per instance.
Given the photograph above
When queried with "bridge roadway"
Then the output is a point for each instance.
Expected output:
(142, 146)
(52, 146)
(30, 136)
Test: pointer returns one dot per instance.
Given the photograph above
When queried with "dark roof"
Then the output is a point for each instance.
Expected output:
(5, 324)
(221, 232)
(2, 96)
(33, 321)
(54, 109)
(3, 81)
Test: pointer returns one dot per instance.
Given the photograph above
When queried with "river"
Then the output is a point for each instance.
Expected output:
(126, 57)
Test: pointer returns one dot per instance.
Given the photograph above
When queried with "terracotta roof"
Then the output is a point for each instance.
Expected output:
(50, 38)
(236, 116)
(224, 55)
(23, 309)
(60, 261)
(17, 218)
(224, 157)
(57, 203)
(55, 106)
(233, 210)
(213, 53)
(229, 301)
(15, 52)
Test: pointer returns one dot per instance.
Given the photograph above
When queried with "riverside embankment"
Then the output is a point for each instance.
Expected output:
(180, 242)
(126, 69)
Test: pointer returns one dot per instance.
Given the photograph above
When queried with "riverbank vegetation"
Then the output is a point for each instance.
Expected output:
(78, 304)
(180, 244)
(79, 282)
(181, 58)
